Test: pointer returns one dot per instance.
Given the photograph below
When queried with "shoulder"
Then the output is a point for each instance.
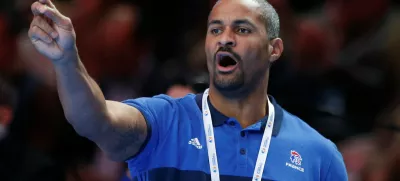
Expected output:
(159, 101)
(295, 130)
(303, 132)
(324, 152)
(163, 115)
(163, 107)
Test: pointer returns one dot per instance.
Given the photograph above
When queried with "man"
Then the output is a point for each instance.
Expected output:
(235, 133)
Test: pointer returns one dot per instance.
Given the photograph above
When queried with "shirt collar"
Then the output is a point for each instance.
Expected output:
(219, 119)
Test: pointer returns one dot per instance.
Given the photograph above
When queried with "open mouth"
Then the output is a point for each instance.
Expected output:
(226, 62)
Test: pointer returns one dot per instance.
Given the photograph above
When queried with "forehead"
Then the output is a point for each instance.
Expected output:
(235, 9)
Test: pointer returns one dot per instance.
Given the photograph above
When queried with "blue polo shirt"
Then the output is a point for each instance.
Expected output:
(176, 146)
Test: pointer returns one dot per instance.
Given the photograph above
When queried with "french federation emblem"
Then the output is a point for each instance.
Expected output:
(295, 157)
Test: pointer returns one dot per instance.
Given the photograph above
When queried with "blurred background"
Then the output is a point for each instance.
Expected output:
(340, 72)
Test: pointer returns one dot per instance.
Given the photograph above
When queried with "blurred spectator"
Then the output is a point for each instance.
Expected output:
(177, 91)
(313, 48)
(356, 18)
(116, 38)
(25, 151)
(383, 165)
(356, 154)
(8, 101)
(101, 169)
(375, 157)
(7, 46)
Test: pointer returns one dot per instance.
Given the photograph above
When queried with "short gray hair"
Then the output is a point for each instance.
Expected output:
(271, 18)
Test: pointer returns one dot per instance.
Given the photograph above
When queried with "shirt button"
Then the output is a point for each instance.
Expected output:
(242, 151)
(232, 123)
(242, 134)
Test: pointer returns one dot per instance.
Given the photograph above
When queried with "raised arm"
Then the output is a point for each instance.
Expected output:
(118, 129)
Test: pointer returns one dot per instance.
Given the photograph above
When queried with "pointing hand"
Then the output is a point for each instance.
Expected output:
(52, 33)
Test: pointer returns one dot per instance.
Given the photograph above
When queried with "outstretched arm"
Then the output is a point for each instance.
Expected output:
(118, 129)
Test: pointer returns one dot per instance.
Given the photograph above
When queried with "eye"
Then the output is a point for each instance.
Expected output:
(243, 31)
(215, 31)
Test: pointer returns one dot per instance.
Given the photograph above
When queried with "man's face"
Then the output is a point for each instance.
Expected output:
(236, 45)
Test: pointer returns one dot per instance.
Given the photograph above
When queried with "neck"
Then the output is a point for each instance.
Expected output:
(247, 110)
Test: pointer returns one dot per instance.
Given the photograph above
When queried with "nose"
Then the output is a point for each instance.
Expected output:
(227, 39)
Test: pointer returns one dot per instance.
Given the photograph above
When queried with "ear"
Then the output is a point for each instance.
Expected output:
(275, 49)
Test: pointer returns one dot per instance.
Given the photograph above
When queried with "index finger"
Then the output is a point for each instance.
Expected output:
(35, 8)
(48, 3)
(55, 16)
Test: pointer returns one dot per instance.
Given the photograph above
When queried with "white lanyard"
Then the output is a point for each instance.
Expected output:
(212, 153)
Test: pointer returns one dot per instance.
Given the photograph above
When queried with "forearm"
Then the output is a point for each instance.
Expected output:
(82, 100)
(117, 128)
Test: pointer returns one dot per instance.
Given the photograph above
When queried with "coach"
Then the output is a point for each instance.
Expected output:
(232, 131)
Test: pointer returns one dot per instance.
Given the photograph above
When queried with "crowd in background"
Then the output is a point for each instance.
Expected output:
(340, 72)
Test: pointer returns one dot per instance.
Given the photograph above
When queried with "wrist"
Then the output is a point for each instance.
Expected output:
(68, 60)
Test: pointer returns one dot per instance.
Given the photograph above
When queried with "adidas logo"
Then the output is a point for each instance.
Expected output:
(195, 142)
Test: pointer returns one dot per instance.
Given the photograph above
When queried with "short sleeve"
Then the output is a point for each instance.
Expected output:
(337, 169)
(159, 112)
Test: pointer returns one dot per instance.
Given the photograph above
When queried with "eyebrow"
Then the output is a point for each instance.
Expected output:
(236, 22)
(215, 22)
(244, 22)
